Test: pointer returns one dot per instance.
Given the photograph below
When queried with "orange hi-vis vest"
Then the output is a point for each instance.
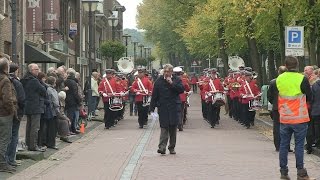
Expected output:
(292, 103)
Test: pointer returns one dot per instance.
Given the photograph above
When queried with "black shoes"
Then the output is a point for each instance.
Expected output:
(161, 152)
(140, 127)
(65, 139)
(172, 151)
(7, 168)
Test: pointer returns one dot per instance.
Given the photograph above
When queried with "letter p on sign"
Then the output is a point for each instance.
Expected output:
(294, 36)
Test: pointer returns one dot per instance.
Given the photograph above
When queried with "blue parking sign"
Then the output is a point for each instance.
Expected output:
(294, 36)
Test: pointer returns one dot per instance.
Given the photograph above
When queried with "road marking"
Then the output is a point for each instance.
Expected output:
(128, 171)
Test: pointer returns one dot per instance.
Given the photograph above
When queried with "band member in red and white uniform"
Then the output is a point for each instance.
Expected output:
(183, 96)
(213, 87)
(107, 89)
(142, 87)
(203, 80)
(248, 92)
(123, 87)
(194, 81)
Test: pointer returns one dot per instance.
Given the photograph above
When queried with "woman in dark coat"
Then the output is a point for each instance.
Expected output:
(166, 97)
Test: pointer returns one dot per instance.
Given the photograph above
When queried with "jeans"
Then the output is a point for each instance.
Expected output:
(92, 104)
(76, 121)
(300, 132)
(12, 147)
(71, 114)
(5, 136)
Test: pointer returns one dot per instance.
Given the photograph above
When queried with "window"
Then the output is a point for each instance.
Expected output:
(7, 48)
(6, 7)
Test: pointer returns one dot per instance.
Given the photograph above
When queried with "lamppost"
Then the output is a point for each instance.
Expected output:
(149, 55)
(141, 47)
(135, 50)
(113, 22)
(90, 6)
(126, 36)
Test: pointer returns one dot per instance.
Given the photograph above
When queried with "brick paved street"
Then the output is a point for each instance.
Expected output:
(226, 152)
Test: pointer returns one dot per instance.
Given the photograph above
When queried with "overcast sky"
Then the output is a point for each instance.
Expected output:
(129, 18)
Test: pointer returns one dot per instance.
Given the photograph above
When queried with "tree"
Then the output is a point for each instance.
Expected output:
(113, 50)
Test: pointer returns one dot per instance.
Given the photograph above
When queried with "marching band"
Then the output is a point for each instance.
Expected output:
(238, 92)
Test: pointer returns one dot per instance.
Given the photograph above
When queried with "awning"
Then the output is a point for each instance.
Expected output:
(36, 55)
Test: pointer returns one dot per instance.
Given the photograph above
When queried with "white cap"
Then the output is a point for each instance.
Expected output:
(161, 72)
(177, 69)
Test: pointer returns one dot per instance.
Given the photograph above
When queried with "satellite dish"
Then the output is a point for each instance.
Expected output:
(234, 62)
(125, 65)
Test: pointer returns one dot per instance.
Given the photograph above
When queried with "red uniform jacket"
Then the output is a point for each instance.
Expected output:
(217, 84)
(104, 88)
(194, 80)
(185, 82)
(244, 90)
(147, 85)
(201, 86)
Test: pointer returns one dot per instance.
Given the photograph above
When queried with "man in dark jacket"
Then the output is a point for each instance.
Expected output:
(8, 108)
(166, 97)
(11, 152)
(35, 93)
(73, 100)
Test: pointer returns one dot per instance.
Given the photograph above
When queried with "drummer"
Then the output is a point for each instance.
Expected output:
(211, 88)
(249, 91)
(107, 88)
(142, 87)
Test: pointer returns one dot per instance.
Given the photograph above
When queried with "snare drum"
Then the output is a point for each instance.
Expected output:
(115, 103)
(255, 104)
(218, 98)
(146, 101)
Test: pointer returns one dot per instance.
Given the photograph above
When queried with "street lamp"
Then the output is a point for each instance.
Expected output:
(126, 36)
(90, 6)
(113, 22)
(141, 47)
(135, 44)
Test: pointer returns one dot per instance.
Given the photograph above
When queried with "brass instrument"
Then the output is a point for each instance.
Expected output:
(235, 85)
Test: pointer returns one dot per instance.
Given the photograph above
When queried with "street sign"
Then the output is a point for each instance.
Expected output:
(194, 63)
(294, 40)
(219, 62)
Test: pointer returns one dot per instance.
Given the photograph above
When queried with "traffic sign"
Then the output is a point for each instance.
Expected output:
(294, 40)
(194, 63)
(219, 62)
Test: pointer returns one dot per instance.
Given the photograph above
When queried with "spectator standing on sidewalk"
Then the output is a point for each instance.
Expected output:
(315, 112)
(273, 99)
(8, 109)
(95, 93)
(73, 99)
(11, 151)
(310, 75)
(34, 105)
(166, 97)
(294, 94)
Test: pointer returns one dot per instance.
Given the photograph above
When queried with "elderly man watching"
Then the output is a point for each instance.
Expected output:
(165, 97)
(8, 109)
(73, 100)
(34, 105)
